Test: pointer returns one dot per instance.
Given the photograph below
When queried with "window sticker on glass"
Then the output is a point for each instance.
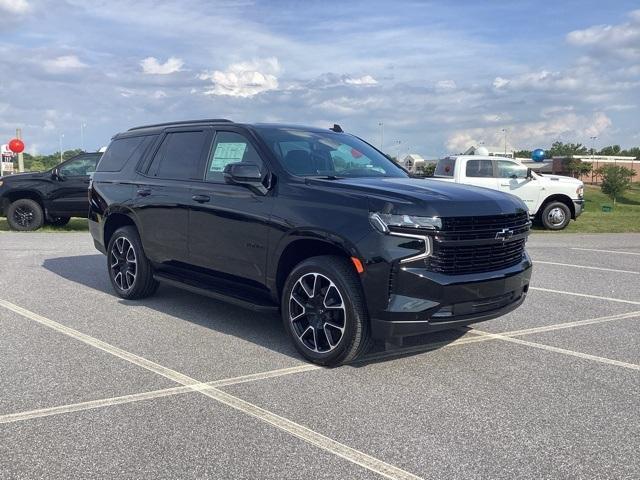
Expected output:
(225, 154)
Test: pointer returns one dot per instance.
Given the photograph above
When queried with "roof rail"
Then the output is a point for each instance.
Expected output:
(184, 122)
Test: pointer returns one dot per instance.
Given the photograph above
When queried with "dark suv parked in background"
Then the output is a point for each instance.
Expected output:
(30, 200)
(315, 223)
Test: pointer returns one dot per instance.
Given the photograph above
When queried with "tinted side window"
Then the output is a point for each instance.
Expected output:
(179, 155)
(445, 167)
(479, 168)
(122, 150)
(230, 147)
(79, 167)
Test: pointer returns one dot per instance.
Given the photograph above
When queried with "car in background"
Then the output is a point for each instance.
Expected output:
(552, 200)
(31, 200)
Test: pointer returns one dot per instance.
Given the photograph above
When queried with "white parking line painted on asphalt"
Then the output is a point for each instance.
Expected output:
(578, 323)
(586, 295)
(310, 436)
(604, 251)
(586, 267)
(563, 351)
(165, 392)
(427, 347)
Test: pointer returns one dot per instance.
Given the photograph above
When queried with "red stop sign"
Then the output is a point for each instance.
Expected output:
(16, 145)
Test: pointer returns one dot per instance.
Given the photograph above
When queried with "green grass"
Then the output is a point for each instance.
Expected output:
(74, 225)
(625, 216)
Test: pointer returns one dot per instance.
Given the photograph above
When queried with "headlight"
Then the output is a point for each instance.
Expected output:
(386, 221)
(1, 182)
(580, 191)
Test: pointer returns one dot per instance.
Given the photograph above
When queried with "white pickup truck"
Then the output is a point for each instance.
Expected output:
(552, 200)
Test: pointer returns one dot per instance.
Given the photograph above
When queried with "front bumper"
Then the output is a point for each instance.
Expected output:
(425, 301)
(578, 206)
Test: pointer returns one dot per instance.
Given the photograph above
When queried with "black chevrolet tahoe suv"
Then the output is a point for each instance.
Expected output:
(30, 200)
(315, 223)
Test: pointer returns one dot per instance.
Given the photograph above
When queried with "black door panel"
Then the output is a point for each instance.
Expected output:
(228, 234)
(163, 195)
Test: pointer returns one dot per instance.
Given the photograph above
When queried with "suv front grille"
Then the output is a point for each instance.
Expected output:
(483, 228)
(469, 244)
(460, 260)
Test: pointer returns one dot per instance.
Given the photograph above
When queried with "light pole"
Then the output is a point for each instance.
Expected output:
(381, 125)
(83, 125)
(60, 142)
(593, 145)
(397, 143)
(504, 130)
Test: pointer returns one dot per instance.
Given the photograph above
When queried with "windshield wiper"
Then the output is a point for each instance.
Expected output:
(325, 176)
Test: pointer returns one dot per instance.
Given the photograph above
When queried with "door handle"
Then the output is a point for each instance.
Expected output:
(201, 198)
(505, 185)
(143, 192)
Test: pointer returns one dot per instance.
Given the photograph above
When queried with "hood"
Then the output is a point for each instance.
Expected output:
(560, 179)
(18, 177)
(416, 196)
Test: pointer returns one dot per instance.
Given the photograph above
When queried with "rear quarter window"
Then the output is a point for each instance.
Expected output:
(445, 167)
(123, 150)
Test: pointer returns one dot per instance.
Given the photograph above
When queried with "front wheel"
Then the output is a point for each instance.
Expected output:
(25, 215)
(130, 271)
(555, 216)
(323, 311)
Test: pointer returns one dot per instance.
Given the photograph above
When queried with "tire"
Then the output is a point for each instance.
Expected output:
(555, 216)
(129, 270)
(327, 336)
(25, 215)
(59, 221)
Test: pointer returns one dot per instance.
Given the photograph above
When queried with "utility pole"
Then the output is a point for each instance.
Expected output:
(83, 125)
(593, 145)
(381, 125)
(20, 157)
(505, 141)
(60, 139)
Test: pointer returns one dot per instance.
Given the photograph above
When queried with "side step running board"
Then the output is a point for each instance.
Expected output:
(218, 295)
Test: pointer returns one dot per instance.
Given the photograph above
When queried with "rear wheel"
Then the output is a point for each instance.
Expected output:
(59, 221)
(25, 215)
(555, 216)
(130, 271)
(323, 311)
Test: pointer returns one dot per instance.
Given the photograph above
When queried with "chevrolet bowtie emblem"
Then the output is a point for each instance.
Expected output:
(504, 234)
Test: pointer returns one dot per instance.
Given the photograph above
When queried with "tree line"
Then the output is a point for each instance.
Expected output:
(560, 149)
(40, 163)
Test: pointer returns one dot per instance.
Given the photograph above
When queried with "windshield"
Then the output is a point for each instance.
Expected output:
(327, 154)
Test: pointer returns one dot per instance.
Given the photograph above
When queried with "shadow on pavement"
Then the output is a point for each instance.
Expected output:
(263, 329)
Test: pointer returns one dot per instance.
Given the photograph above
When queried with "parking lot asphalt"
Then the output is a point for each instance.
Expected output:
(182, 386)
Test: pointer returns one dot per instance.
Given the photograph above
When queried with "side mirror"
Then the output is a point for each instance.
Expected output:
(244, 174)
(56, 175)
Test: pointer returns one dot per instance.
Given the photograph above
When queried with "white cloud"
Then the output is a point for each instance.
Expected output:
(446, 85)
(364, 80)
(15, 6)
(543, 80)
(152, 66)
(533, 134)
(620, 40)
(244, 79)
(158, 94)
(63, 64)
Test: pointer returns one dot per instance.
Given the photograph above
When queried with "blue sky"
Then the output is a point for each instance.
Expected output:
(440, 76)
